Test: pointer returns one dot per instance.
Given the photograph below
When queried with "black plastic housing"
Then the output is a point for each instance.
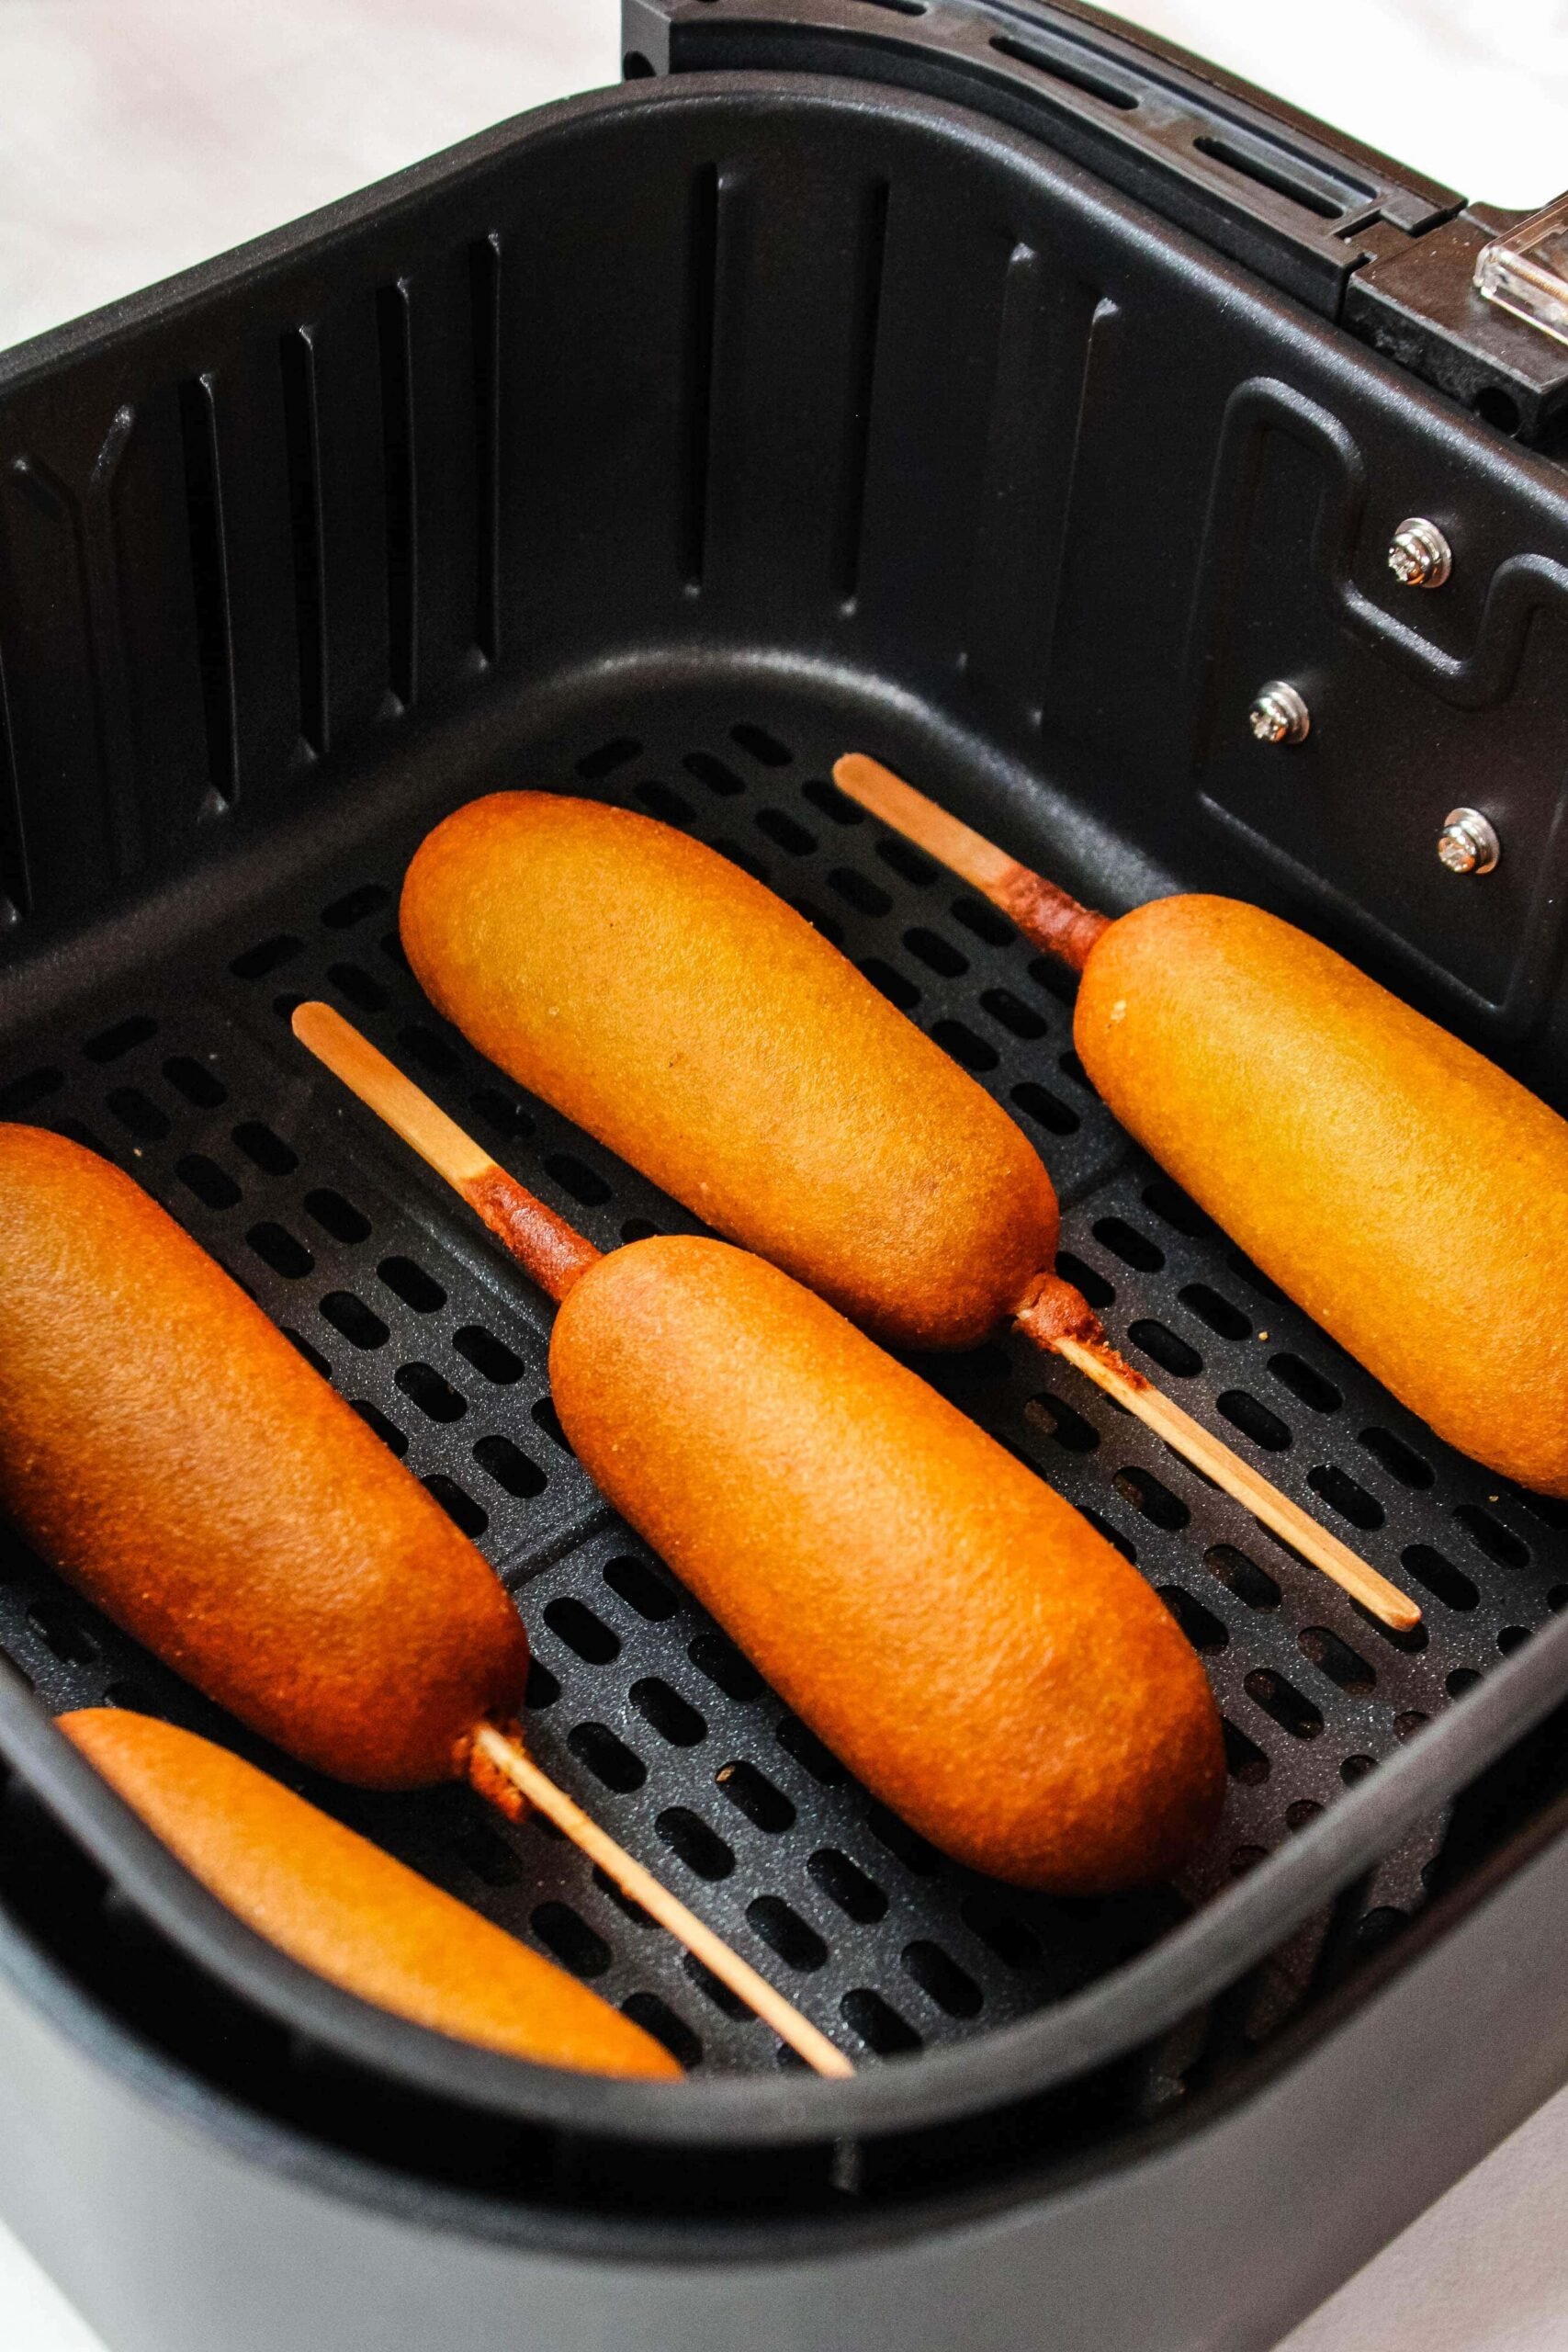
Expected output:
(661, 445)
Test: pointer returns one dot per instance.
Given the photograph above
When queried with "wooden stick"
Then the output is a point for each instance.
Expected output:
(1100, 1363)
(1044, 914)
(555, 1255)
(554, 1252)
(1054, 1314)
(508, 1757)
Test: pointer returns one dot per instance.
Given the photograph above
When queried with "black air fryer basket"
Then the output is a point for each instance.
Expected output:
(970, 385)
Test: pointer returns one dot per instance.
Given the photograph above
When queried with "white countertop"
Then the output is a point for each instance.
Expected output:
(139, 136)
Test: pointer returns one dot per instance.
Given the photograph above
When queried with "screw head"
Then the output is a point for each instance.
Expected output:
(1419, 556)
(1278, 714)
(1468, 843)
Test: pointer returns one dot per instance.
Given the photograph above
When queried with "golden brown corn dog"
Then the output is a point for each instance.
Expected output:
(698, 1026)
(978, 1654)
(338, 1904)
(164, 1445)
(1410, 1195)
(1400, 1187)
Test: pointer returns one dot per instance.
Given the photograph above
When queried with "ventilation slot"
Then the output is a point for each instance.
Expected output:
(510, 1467)
(571, 1939)
(113, 1044)
(355, 905)
(23, 1094)
(1125, 1241)
(720, 1659)
(939, 1976)
(209, 586)
(1225, 1320)
(1012, 1012)
(1289, 1708)
(1342, 1493)
(301, 428)
(490, 1357)
(198, 1084)
(672, 1717)
(338, 1217)
(595, 765)
(1068, 70)
(1255, 1420)
(1046, 1109)
(392, 326)
(1277, 176)
(1201, 1627)
(1001, 1931)
(138, 1113)
(267, 957)
(1096, 1290)
(436, 1398)
(484, 282)
(765, 749)
(643, 1589)
(1309, 1387)
(312, 1356)
(1439, 1577)
(607, 1758)
(212, 1186)
(877, 2023)
(1401, 1461)
(1335, 1658)
(808, 1749)
(266, 1149)
(701, 1848)
(360, 1324)
(846, 1885)
(459, 1504)
(785, 1931)
(1489, 1536)
(702, 272)
(661, 801)
(585, 1634)
(752, 1793)
(1252, 1585)
(278, 1248)
(1165, 1348)
(657, 2017)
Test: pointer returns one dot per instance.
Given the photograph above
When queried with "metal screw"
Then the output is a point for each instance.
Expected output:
(1419, 556)
(1468, 844)
(1278, 714)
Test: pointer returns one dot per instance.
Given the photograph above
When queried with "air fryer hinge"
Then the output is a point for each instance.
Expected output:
(1424, 307)
(1355, 237)
(1270, 189)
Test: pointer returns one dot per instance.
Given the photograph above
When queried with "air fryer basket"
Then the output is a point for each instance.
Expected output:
(660, 448)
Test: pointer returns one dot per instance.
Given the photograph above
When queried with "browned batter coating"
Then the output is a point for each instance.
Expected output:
(174, 1456)
(985, 1661)
(338, 1904)
(700, 1028)
(1408, 1193)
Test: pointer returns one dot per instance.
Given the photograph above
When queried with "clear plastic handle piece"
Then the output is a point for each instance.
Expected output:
(1526, 272)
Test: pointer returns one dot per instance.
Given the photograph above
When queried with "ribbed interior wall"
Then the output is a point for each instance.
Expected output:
(869, 385)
